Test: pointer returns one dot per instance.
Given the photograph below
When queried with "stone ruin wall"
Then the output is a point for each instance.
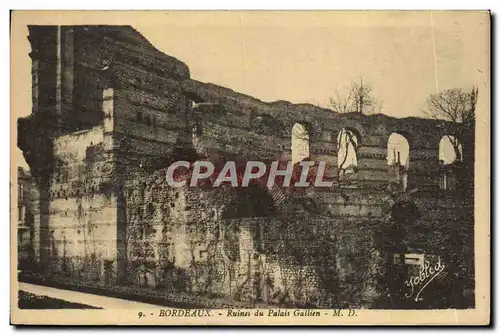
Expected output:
(109, 209)
(181, 241)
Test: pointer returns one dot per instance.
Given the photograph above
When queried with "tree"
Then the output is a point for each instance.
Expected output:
(362, 96)
(456, 105)
(342, 105)
(360, 99)
(345, 141)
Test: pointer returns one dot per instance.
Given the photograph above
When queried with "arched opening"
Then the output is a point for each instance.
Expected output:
(450, 150)
(300, 143)
(450, 157)
(347, 159)
(398, 160)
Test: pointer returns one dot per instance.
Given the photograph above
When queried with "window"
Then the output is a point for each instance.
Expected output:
(300, 143)
(398, 160)
(450, 150)
(347, 147)
(450, 156)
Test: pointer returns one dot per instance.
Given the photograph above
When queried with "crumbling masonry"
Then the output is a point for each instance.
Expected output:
(111, 112)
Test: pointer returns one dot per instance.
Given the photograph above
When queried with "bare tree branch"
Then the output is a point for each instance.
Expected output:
(360, 99)
(455, 105)
(363, 96)
(342, 105)
(343, 134)
(380, 107)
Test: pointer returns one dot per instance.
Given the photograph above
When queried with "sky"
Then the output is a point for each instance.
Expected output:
(306, 57)
(403, 56)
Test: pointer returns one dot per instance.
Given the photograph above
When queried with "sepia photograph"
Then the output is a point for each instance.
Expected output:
(250, 167)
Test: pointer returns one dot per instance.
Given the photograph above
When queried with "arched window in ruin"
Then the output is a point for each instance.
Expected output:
(347, 147)
(398, 160)
(450, 150)
(450, 156)
(300, 142)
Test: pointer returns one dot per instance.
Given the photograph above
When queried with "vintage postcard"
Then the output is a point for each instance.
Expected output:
(250, 167)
